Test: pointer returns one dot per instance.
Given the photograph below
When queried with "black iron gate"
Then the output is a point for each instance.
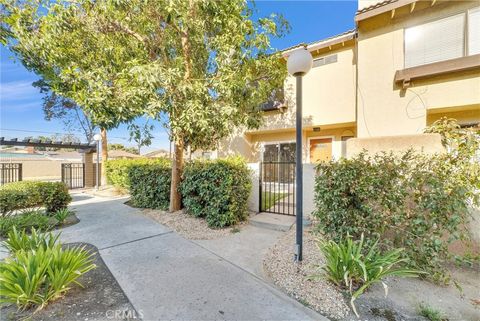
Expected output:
(277, 187)
(73, 175)
(10, 172)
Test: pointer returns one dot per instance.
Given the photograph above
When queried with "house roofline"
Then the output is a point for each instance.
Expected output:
(324, 43)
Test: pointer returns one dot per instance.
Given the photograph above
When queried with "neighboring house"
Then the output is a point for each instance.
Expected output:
(157, 154)
(407, 64)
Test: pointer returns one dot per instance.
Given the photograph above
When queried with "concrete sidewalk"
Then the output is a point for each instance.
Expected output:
(167, 277)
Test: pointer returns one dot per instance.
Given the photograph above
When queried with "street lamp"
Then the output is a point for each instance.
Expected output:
(299, 64)
(97, 138)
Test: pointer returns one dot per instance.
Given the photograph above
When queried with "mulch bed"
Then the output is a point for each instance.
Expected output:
(101, 298)
(190, 227)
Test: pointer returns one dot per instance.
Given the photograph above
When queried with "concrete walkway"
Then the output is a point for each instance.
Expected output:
(167, 277)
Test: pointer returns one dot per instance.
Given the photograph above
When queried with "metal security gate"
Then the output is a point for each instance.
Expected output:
(10, 172)
(73, 175)
(277, 187)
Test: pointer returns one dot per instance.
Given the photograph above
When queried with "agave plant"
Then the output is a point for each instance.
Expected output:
(40, 269)
(23, 278)
(352, 266)
(61, 215)
(18, 241)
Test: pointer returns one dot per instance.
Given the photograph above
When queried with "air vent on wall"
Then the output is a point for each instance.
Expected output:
(324, 60)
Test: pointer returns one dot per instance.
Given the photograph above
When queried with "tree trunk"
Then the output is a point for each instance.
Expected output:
(177, 169)
(103, 133)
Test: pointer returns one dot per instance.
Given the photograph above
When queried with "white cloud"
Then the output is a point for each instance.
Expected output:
(18, 91)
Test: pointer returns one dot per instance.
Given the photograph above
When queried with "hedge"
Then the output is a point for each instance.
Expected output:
(411, 201)
(116, 170)
(28, 194)
(149, 183)
(217, 190)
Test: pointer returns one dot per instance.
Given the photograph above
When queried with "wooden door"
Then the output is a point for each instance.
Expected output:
(320, 150)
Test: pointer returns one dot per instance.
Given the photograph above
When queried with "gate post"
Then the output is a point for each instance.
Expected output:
(89, 169)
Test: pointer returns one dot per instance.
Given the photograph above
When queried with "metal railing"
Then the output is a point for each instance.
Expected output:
(277, 187)
(10, 172)
(73, 175)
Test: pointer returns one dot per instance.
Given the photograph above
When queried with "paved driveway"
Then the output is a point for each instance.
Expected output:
(167, 277)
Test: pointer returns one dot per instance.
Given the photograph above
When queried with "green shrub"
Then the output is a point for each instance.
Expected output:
(24, 221)
(411, 201)
(40, 269)
(150, 183)
(217, 190)
(34, 278)
(61, 215)
(30, 194)
(430, 313)
(21, 241)
(116, 170)
(355, 267)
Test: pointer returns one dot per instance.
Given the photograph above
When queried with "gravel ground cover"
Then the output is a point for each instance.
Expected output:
(405, 294)
(318, 294)
(100, 298)
(188, 226)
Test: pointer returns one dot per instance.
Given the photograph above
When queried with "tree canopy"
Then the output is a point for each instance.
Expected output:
(208, 65)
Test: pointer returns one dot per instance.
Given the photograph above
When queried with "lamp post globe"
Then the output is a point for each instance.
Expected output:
(299, 63)
(97, 137)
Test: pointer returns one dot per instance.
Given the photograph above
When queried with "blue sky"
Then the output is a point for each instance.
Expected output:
(21, 104)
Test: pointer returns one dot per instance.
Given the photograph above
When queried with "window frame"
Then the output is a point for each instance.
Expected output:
(465, 35)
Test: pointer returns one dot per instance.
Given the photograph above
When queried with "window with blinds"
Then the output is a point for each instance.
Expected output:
(474, 31)
(435, 41)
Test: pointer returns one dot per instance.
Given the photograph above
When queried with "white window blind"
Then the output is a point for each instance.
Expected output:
(435, 41)
(474, 31)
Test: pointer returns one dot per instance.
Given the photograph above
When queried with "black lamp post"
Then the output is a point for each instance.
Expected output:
(97, 138)
(299, 64)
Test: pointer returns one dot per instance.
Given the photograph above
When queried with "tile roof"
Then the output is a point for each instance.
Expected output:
(318, 42)
(375, 6)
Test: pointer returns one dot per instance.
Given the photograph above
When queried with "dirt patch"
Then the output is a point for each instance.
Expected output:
(188, 226)
(401, 304)
(101, 298)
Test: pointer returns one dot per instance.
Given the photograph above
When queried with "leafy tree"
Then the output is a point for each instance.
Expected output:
(141, 135)
(74, 118)
(205, 64)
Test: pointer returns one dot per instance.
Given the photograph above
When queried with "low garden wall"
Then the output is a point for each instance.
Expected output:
(425, 143)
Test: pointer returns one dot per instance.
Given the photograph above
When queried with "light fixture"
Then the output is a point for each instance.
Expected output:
(299, 64)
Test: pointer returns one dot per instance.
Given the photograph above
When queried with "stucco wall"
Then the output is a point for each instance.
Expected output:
(254, 199)
(328, 94)
(384, 109)
(426, 143)
(308, 189)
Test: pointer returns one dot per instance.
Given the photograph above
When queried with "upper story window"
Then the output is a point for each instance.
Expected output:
(448, 38)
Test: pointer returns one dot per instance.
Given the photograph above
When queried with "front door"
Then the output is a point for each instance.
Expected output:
(320, 150)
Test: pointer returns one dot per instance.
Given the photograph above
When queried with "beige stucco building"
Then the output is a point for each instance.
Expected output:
(405, 65)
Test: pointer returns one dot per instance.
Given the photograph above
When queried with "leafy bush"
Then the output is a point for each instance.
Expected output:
(24, 221)
(21, 241)
(40, 270)
(117, 170)
(354, 267)
(414, 201)
(61, 215)
(217, 190)
(150, 183)
(30, 194)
